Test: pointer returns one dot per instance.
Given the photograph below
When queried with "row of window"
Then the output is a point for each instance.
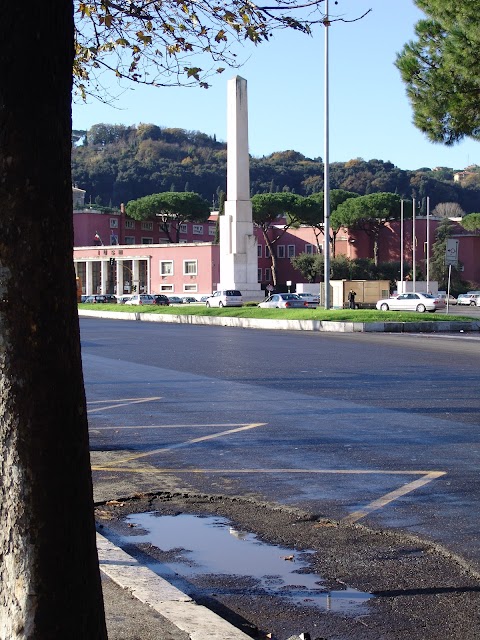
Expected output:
(197, 229)
(190, 268)
(282, 250)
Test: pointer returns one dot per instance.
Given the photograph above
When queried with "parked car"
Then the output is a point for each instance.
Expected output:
(104, 298)
(420, 302)
(310, 298)
(283, 301)
(189, 299)
(225, 298)
(142, 298)
(161, 299)
(175, 300)
(443, 296)
(123, 299)
(83, 298)
(469, 299)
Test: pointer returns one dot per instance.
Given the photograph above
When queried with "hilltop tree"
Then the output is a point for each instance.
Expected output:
(369, 214)
(274, 214)
(171, 209)
(441, 72)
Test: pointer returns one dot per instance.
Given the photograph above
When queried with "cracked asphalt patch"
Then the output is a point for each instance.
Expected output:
(422, 592)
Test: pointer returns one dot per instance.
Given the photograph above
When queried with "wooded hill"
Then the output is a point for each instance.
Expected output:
(117, 163)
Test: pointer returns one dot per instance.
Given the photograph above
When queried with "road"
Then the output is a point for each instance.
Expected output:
(373, 430)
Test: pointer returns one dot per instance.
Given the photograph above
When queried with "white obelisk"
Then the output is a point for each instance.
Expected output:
(238, 244)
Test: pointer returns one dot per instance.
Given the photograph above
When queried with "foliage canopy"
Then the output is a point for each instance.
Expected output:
(442, 72)
(163, 42)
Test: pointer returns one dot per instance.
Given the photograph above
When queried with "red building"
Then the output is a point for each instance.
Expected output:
(114, 254)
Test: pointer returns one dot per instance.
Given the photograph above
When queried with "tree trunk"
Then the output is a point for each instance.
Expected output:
(273, 257)
(49, 575)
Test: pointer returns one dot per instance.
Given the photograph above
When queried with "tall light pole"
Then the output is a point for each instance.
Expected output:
(401, 249)
(326, 174)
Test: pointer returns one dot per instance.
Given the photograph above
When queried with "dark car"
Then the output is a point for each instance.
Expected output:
(104, 298)
(160, 299)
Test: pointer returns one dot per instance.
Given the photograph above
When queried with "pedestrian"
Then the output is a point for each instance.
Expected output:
(351, 299)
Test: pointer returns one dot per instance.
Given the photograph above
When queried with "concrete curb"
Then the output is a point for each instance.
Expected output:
(439, 326)
(196, 620)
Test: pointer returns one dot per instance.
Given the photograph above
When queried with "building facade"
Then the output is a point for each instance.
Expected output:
(115, 254)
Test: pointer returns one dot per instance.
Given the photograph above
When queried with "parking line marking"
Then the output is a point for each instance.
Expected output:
(121, 403)
(379, 503)
(393, 495)
(187, 443)
(170, 426)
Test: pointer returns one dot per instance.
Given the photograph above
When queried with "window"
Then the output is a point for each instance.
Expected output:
(147, 226)
(259, 275)
(166, 267)
(129, 240)
(259, 251)
(211, 230)
(198, 229)
(166, 288)
(281, 251)
(113, 223)
(183, 228)
(189, 267)
(113, 239)
(309, 248)
(129, 224)
(190, 288)
(291, 250)
(267, 252)
(268, 274)
(147, 240)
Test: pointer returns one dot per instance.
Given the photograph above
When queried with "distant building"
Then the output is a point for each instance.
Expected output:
(114, 253)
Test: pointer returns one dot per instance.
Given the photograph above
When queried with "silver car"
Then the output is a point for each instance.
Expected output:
(143, 298)
(283, 301)
(420, 302)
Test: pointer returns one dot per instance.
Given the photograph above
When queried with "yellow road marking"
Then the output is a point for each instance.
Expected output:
(427, 477)
(187, 443)
(393, 495)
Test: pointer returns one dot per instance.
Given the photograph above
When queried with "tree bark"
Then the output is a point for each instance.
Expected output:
(49, 574)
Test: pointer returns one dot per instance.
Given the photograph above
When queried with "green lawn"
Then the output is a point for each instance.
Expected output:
(335, 315)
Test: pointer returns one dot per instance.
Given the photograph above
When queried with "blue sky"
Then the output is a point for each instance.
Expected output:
(370, 116)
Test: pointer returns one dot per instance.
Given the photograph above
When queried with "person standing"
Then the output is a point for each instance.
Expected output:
(351, 299)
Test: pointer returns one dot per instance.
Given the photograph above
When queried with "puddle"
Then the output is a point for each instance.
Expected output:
(209, 546)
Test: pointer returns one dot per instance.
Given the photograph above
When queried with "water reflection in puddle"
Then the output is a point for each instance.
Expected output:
(206, 546)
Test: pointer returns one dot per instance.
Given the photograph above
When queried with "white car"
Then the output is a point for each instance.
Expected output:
(469, 299)
(420, 302)
(225, 298)
(284, 301)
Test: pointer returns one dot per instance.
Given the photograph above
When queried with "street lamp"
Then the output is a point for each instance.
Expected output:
(326, 175)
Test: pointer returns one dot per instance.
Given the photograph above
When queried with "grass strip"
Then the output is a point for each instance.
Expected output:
(333, 315)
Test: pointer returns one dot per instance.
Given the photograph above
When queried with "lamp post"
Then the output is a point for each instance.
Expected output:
(326, 174)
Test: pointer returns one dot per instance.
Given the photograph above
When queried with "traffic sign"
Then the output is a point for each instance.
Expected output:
(451, 253)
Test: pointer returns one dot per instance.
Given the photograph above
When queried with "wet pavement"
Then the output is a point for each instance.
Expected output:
(414, 590)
